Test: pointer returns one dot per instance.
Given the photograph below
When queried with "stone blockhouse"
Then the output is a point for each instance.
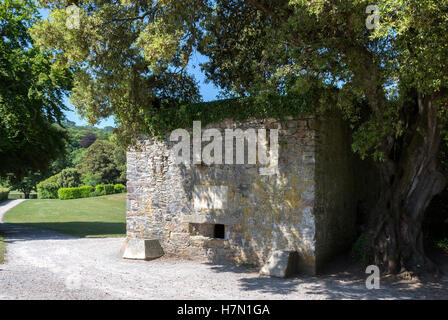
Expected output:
(231, 213)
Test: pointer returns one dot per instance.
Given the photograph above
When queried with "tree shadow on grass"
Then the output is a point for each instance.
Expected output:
(61, 230)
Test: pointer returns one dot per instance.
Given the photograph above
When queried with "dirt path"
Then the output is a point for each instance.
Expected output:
(42, 264)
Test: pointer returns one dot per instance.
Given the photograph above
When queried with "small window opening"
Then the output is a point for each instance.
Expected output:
(219, 231)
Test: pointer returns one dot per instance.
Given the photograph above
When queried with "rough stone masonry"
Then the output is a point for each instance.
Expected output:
(231, 213)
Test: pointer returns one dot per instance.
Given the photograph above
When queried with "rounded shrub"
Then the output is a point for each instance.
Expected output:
(69, 178)
(48, 189)
(119, 188)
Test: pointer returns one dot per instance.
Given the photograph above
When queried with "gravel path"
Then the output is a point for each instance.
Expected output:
(43, 264)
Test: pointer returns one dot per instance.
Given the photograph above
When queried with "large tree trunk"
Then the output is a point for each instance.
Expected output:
(409, 181)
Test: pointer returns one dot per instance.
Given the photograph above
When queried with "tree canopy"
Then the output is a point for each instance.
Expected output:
(113, 75)
(31, 95)
(104, 159)
(390, 82)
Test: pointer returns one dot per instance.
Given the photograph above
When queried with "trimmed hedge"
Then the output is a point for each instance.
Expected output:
(4, 192)
(119, 188)
(109, 188)
(104, 189)
(48, 189)
(20, 195)
(99, 189)
(74, 193)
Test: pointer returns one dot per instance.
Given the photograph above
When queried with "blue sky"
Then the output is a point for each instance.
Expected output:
(207, 90)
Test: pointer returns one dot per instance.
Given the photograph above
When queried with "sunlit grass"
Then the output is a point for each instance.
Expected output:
(103, 216)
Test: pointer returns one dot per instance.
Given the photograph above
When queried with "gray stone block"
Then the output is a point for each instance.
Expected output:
(281, 264)
(143, 249)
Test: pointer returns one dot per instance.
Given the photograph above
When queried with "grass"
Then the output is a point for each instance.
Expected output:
(2, 249)
(103, 216)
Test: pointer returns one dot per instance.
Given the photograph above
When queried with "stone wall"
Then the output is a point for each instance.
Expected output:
(180, 205)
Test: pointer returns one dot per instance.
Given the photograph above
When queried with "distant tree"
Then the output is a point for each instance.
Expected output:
(63, 161)
(31, 96)
(69, 178)
(88, 139)
(89, 179)
(99, 159)
(27, 184)
(76, 156)
(119, 159)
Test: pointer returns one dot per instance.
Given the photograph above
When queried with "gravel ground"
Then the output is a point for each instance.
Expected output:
(43, 264)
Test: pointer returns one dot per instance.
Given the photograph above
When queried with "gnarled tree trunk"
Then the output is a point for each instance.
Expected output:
(409, 181)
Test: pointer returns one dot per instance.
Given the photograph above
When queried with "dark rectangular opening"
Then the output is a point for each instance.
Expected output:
(219, 231)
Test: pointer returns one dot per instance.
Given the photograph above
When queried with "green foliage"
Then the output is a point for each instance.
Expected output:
(26, 185)
(165, 120)
(69, 178)
(21, 195)
(48, 189)
(96, 193)
(4, 192)
(77, 133)
(361, 249)
(122, 81)
(442, 244)
(98, 159)
(31, 96)
(119, 188)
(73, 152)
(100, 189)
(254, 47)
(76, 156)
(105, 189)
(89, 179)
(109, 188)
(87, 140)
(2, 249)
(74, 193)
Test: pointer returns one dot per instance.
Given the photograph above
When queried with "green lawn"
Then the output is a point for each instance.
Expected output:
(2, 249)
(90, 217)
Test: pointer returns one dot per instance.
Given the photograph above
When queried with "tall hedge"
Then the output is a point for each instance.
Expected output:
(48, 189)
(74, 193)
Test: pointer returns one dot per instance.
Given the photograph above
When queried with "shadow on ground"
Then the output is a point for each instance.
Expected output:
(39, 230)
(342, 279)
(4, 203)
